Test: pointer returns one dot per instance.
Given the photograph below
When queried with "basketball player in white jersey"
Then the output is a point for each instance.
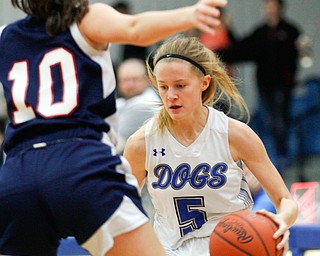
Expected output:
(62, 176)
(191, 153)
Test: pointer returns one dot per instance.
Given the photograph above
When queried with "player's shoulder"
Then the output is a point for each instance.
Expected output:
(135, 148)
(11, 27)
(137, 140)
(239, 129)
(241, 136)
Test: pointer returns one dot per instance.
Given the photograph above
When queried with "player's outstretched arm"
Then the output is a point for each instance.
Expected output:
(104, 24)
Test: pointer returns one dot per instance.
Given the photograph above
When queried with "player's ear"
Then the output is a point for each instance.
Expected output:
(206, 82)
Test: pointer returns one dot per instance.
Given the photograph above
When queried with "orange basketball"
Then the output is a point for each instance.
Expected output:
(244, 233)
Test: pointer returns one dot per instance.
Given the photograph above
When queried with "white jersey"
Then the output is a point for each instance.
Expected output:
(193, 187)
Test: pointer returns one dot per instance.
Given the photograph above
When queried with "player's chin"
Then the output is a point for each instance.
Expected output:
(176, 116)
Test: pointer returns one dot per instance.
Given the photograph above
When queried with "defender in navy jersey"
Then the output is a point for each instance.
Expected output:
(61, 176)
(191, 154)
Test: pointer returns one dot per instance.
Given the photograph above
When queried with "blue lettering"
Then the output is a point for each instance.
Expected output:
(219, 179)
(164, 174)
(200, 180)
(200, 176)
(181, 176)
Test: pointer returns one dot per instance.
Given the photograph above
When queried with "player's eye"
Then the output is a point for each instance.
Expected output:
(163, 87)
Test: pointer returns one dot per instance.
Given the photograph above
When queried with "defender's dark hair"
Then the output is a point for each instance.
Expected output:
(58, 14)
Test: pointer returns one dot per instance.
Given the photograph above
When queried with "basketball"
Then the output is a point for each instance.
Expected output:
(244, 233)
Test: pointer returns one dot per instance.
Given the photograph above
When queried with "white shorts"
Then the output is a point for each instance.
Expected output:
(102, 240)
(191, 247)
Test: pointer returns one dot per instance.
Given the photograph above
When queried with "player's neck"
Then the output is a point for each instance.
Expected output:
(188, 130)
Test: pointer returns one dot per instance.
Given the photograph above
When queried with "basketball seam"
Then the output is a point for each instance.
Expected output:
(248, 254)
(257, 233)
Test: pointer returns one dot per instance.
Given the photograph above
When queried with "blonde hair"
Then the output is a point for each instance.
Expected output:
(221, 88)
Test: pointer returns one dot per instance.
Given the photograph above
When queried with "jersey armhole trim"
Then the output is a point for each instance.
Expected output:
(82, 43)
(1, 29)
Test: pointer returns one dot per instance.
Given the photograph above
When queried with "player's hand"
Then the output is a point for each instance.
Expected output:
(206, 15)
(283, 230)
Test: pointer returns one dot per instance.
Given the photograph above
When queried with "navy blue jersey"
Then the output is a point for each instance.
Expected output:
(54, 83)
(61, 176)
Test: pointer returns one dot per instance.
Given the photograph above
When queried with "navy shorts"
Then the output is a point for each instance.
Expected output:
(63, 188)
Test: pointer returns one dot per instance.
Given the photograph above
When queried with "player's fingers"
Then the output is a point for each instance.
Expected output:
(284, 243)
(207, 15)
(207, 24)
(216, 3)
(205, 10)
(282, 226)
(285, 248)
(282, 230)
(270, 215)
(285, 251)
(266, 213)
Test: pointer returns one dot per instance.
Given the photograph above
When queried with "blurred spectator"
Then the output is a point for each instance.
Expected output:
(138, 99)
(273, 47)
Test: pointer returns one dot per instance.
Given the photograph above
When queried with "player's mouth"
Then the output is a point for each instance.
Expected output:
(175, 107)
